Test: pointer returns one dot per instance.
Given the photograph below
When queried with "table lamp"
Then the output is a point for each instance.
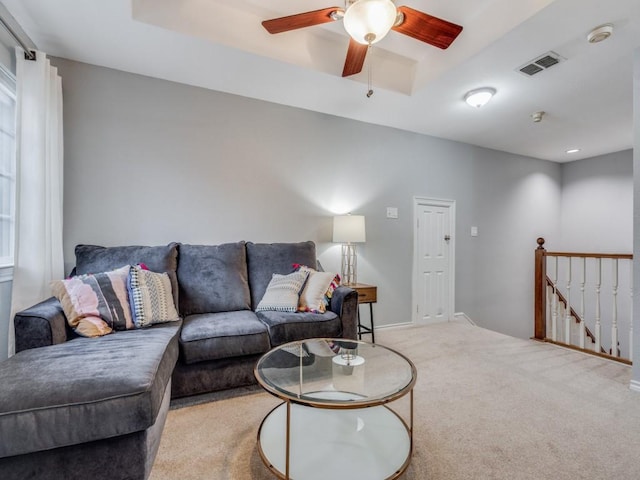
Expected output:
(349, 230)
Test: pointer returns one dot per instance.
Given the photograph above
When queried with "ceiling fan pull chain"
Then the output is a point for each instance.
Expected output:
(369, 74)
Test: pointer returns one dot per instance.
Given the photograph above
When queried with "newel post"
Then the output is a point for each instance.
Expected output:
(540, 292)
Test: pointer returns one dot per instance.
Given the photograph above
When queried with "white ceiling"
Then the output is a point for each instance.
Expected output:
(220, 44)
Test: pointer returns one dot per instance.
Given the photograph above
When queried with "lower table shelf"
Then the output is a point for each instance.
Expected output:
(368, 444)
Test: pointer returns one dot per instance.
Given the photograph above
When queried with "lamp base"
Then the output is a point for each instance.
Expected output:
(349, 270)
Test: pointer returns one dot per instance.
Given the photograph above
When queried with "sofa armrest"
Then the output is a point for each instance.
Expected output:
(40, 325)
(344, 303)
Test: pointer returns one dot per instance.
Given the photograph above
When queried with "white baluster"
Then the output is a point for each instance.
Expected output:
(598, 333)
(567, 318)
(614, 322)
(554, 311)
(631, 310)
(583, 328)
(549, 311)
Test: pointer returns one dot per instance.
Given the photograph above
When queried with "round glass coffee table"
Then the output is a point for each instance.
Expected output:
(335, 420)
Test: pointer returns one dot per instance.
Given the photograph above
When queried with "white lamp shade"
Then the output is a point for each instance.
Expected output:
(368, 21)
(349, 229)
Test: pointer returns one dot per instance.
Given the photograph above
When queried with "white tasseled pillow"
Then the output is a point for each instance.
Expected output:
(283, 292)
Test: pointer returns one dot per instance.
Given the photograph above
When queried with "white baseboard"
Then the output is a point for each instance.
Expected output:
(457, 316)
(635, 385)
(463, 316)
(395, 325)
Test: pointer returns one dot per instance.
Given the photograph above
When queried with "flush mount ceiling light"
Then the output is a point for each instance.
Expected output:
(600, 33)
(573, 150)
(479, 97)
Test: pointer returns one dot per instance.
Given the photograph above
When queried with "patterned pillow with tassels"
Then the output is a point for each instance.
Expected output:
(283, 292)
(150, 297)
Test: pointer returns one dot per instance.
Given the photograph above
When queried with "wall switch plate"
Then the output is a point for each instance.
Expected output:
(392, 212)
(474, 231)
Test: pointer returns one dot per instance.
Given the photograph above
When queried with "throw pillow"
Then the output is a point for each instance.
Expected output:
(318, 290)
(283, 292)
(95, 304)
(150, 297)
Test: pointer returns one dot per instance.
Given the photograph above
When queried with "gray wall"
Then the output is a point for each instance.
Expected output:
(597, 216)
(597, 204)
(150, 161)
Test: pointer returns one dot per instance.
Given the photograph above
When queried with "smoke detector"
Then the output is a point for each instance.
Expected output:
(537, 116)
(601, 33)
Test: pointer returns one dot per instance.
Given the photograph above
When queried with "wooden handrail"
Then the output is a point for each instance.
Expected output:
(621, 256)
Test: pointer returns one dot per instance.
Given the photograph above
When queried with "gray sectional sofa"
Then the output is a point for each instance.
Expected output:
(77, 408)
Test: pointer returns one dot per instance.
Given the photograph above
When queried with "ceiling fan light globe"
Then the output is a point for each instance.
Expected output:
(368, 21)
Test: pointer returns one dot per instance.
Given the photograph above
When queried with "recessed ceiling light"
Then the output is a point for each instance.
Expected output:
(479, 97)
(573, 150)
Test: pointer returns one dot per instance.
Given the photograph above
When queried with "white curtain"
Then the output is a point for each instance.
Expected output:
(39, 177)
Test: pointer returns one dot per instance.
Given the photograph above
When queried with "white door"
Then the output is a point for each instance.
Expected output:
(434, 247)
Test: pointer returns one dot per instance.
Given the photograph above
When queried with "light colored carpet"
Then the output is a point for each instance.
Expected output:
(487, 406)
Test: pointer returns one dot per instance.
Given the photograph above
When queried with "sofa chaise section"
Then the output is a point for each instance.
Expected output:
(72, 408)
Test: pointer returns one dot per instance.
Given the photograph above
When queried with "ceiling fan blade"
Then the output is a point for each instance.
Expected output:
(300, 20)
(426, 28)
(355, 58)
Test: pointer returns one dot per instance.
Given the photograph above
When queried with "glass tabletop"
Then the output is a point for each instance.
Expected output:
(335, 373)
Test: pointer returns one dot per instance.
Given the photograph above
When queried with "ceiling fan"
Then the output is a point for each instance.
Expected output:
(367, 22)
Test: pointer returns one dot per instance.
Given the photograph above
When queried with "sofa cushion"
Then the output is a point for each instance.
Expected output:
(85, 389)
(94, 259)
(265, 259)
(212, 336)
(213, 278)
(286, 327)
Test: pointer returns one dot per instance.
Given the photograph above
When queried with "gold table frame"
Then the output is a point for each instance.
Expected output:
(292, 398)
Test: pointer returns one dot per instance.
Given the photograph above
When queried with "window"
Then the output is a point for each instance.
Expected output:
(7, 167)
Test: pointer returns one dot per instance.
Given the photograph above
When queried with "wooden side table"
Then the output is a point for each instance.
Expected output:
(366, 294)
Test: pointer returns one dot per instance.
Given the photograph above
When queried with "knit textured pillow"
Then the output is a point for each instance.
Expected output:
(95, 304)
(283, 292)
(150, 297)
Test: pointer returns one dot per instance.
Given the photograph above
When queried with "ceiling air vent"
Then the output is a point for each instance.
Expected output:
(539, 64)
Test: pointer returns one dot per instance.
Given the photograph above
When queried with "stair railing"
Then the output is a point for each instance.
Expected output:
(564, 321)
